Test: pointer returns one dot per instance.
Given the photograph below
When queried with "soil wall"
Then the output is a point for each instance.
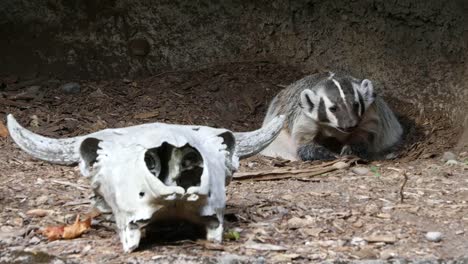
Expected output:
(414, 49)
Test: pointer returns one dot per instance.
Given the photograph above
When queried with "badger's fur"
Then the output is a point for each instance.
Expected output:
(331, 114)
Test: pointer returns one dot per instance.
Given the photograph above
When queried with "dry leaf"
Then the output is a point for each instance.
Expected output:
(390, 239)
(67, 232)
(210, 246)
(264, 247)
(146, 115)
(78, 228)
(285, 257)
(3, 130)
(53, 232)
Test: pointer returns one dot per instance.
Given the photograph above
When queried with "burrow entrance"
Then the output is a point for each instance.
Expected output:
(233, 96)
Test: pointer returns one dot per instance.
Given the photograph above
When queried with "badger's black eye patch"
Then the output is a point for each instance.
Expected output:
(333, 108)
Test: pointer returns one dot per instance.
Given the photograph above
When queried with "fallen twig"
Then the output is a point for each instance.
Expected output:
(291, 173)
(402, 196)
(20, 105)
(77, 186)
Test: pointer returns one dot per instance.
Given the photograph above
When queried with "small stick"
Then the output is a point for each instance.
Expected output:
(78, 186)
(288, 173)
(405, 180)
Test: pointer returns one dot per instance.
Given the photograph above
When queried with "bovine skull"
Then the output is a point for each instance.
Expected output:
(154, 171)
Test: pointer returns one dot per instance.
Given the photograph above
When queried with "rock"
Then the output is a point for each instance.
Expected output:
(282, 258)
(449, 156)
(18, 221)
(34, 121)
(281, 210)
(71, 88)
(41, 200)
(434, 236)
(34, 240)
(139, 47)
(451, 163)
(360, 170)
(372, 209)
(33, 89)
(358, 241)
(251, 165)
(86, 249)
(341, 165)
(296, 222)
(459, 232)
(312, 231)
(359, 223)
(387, 254)
(367, 253)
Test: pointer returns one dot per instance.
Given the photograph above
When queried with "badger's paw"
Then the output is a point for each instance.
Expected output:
(315, 152)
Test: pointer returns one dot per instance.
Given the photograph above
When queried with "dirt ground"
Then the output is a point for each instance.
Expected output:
(367, 211)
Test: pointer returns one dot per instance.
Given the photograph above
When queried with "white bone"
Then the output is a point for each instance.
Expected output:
(141, 173)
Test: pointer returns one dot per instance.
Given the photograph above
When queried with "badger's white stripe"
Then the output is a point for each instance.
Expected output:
(343, 96)
(330, 115)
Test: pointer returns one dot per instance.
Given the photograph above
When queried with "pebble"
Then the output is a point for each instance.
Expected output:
(71, 88)
(360, 170)
(358, 241)
(341, 165)
(18, 221)
(139, 47)
(449, 156)
(33, 89)
(6, 229)
(252, 165)
(297, 222)
(387, 254)
(459, 232)
(434, 236)
(41, 199)
(34, 240)
(451, 163)
(366, 253)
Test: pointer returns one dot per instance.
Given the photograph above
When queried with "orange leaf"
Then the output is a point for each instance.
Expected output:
(53, 232)
(3, 130)
(67, 232)
(78, 228)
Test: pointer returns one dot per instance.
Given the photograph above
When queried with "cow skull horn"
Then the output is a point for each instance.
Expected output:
(66, 151)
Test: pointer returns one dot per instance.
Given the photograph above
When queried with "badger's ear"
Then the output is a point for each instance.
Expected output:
(367, 90)
(88, 154)
(308, 100)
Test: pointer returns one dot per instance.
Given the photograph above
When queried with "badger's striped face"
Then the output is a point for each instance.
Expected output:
(338, 102)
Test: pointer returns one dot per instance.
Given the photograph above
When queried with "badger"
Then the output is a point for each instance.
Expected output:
(328, 115)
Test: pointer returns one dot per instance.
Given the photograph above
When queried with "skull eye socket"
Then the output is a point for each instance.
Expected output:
(152, 162)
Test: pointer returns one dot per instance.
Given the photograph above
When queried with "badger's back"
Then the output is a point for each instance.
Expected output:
(389, 129)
